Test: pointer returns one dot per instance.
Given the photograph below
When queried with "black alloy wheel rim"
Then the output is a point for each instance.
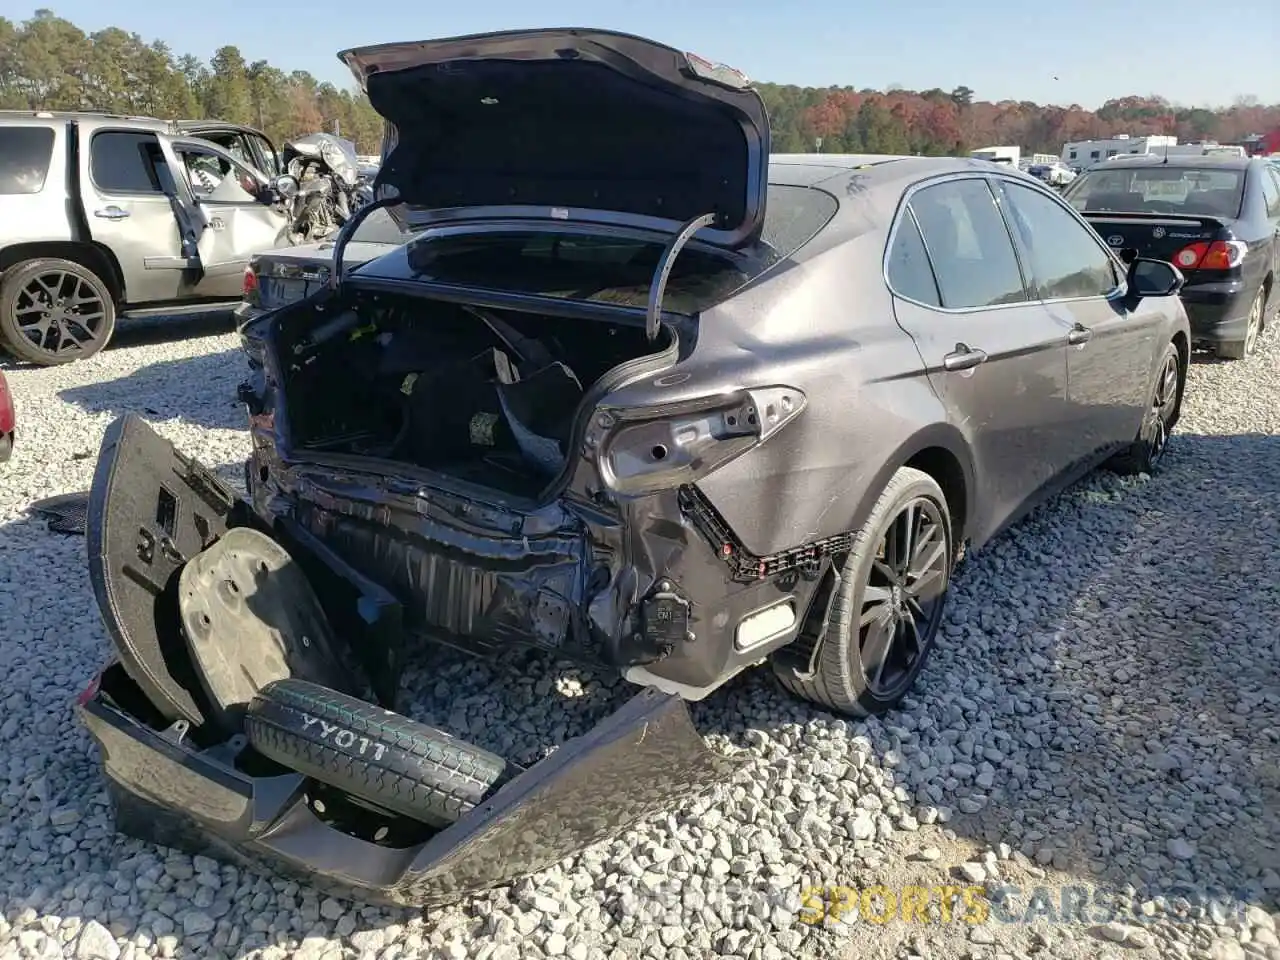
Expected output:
(1163, 400)
(902, 598)
(60, 313)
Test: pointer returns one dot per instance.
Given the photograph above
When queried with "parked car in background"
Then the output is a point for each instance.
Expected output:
(105, 216)
(251, 147)
(285, 274)
(1054, 174)
(1217, 218)
(8, 418)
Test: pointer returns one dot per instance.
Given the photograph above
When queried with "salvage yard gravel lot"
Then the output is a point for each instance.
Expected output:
(1102, 719)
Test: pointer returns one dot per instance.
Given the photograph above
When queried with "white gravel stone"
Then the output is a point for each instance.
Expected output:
(1105, 698)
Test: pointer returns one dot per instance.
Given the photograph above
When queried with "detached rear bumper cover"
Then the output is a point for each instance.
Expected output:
(151, 510)
(645, 758)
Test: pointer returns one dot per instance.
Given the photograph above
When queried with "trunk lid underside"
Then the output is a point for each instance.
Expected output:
(585, 124)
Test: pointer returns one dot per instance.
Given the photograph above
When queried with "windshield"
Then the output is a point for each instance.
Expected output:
(1197, 191)
(617, 270)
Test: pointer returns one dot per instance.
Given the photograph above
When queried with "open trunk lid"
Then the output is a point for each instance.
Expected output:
(568, 124)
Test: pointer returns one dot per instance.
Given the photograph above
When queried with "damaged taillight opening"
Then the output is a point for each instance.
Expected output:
(663, 449)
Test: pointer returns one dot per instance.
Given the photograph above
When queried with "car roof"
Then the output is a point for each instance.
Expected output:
(812, 169)
(1180, 160)
(112, 119)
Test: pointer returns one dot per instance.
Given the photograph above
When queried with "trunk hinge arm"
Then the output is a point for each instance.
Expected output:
(347, 231)
(658, 287)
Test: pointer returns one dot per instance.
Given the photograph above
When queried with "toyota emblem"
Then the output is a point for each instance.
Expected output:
(1115, 241)
(1158, 232)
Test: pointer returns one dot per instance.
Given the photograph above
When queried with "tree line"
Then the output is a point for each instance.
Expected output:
(48, 63)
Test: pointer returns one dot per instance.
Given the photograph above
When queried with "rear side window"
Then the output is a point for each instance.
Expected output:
(24, 159)
(793, 215)
(968, 244)
(125, 162)
(1271, 192)
(910, 275)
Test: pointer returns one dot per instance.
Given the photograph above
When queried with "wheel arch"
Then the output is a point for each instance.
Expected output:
(1183, 346)
(940, 451)
(92, 256)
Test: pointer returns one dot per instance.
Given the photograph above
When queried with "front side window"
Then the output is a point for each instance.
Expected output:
(216, 179)
(272, 167)
(1062, 256)
(24, 159)
(125, 162)
(968, 244)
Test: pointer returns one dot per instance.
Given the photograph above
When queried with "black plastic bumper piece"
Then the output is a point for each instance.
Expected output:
(644, 758)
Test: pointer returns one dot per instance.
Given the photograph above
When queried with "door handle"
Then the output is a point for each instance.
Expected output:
(1079, 334)
(111, 213)
(963, 357)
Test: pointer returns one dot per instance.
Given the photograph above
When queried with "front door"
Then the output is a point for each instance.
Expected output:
(996, 357)
(232, 221)
(130, 206)
(1111, 349)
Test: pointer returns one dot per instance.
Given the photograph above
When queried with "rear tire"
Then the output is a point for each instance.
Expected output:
(371, 753)
(54, 311)
(1253, 331)
(874, 596)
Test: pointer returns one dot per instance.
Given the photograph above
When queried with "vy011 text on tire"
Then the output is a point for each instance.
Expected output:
(386, 759)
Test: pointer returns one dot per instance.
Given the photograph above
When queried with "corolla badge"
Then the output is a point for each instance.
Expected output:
(1116, 241)
(1158, 232)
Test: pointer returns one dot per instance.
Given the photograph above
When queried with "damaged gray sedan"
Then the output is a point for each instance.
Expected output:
(635, 393)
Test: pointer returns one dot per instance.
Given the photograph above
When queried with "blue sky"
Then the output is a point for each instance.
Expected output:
(1186, 50)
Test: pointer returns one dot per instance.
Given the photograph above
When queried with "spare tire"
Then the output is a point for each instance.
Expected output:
(371, 753)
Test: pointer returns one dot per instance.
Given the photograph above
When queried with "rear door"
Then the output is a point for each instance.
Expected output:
(231, 222)
(129, 198)
(996, 356)
(1111, 349)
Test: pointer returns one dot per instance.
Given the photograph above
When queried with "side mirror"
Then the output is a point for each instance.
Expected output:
(1153, 278)
(284, 186)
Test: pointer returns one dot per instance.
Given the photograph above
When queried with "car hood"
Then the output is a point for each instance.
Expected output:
(568, 124)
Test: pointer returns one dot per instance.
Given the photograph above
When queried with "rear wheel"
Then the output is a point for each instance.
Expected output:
(888, 604)
(371, 753)
(54, 311)
(1253, 330)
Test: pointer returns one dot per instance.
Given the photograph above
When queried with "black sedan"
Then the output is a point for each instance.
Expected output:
(636, 393)
(1216, 217)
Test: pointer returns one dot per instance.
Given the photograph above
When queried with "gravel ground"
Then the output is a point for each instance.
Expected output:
(1103, 720)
